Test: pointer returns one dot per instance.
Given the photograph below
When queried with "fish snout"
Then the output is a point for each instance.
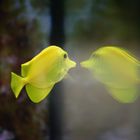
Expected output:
(86, 64)
(71, 64)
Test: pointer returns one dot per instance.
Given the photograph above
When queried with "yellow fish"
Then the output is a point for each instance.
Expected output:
(117, 70)
(40, 74)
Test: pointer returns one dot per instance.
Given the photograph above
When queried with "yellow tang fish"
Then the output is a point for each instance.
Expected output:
(117, 70)
(40, 74)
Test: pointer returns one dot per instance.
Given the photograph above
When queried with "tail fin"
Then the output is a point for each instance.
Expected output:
(17, 84)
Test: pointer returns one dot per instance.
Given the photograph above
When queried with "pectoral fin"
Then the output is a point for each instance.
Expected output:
(37, 94)
(126, 95)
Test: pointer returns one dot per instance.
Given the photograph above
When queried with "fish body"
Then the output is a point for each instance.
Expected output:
(40, 74)
(117, 70)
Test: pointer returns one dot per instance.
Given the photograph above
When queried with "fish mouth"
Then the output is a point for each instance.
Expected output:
(71, 64)
(86, 64)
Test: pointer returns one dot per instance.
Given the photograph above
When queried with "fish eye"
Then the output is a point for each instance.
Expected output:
(65, 56)
(94, 55)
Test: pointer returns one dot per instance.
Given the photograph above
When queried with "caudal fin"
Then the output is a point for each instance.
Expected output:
(17, 84)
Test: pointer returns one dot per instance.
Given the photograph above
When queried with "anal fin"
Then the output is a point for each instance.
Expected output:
(37, 94)
(124, 95)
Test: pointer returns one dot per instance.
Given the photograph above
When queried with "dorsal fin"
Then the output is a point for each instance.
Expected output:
(25, 69)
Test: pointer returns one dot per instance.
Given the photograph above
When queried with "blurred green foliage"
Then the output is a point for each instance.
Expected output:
(104, 19)
(40, 5)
